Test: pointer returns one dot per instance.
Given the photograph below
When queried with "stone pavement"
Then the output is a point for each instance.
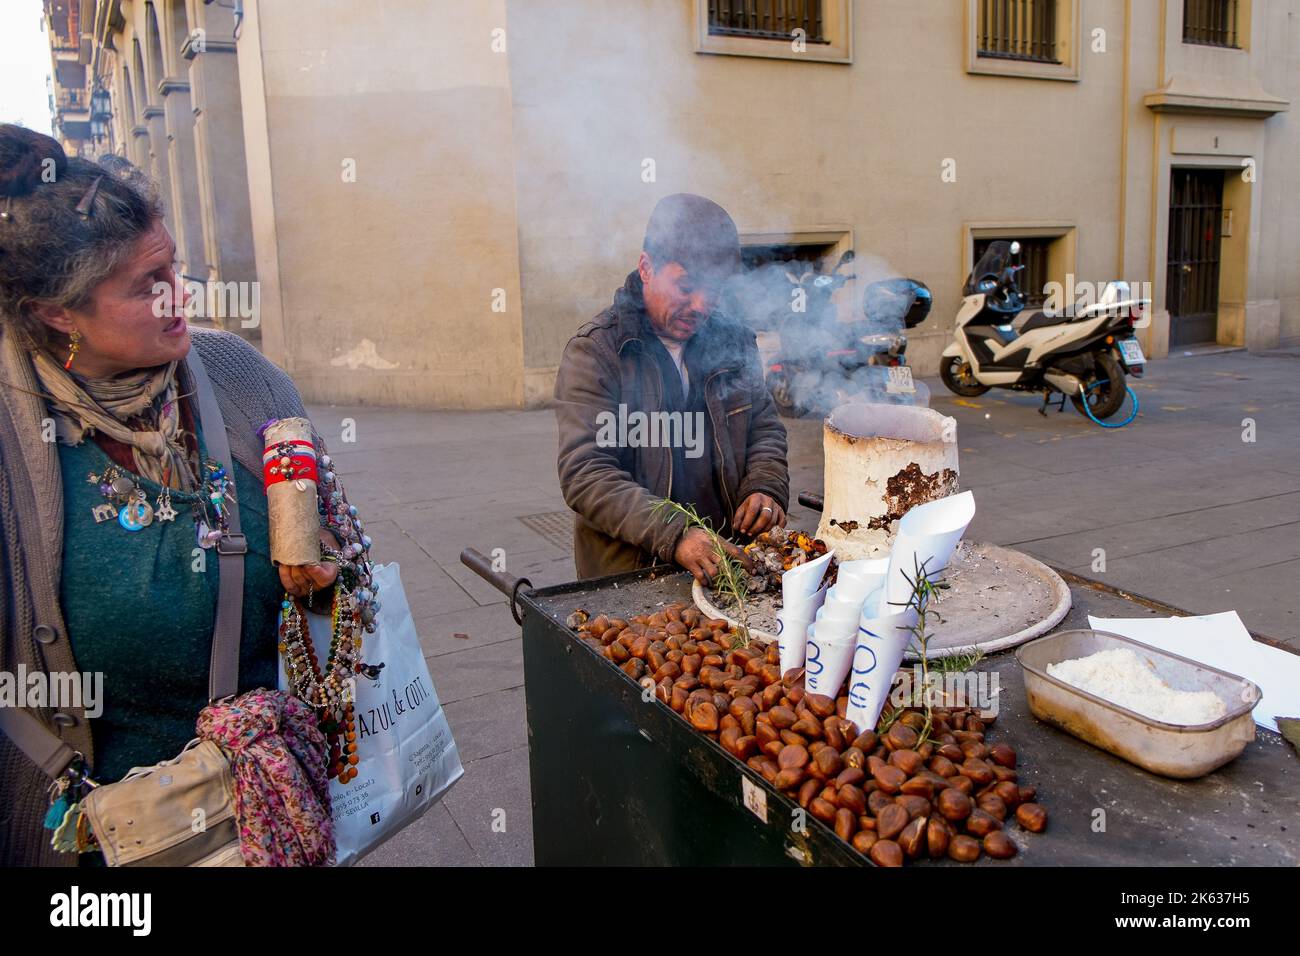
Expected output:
(1182, 508)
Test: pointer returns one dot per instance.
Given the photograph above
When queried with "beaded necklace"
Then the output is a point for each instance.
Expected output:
(331, 689)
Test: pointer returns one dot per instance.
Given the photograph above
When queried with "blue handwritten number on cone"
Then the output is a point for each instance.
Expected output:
(813, 665)
(860, 688)
(814, 657)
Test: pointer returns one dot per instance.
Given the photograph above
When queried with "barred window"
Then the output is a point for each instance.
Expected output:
(1018, 30)
(767, 19)
(1211, 22)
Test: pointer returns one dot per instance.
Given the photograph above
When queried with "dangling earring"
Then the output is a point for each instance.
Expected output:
(74, 345)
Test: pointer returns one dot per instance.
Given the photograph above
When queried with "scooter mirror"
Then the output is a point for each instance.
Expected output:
(845, 259)
(1015, 248)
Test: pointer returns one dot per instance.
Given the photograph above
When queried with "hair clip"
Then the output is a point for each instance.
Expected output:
(87, 204)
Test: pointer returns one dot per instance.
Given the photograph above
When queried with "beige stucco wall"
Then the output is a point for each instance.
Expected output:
(381, 290)
(517, 178)
(803, 145)
(794, 146)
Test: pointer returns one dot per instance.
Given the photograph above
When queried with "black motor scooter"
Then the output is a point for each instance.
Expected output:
(821, 360)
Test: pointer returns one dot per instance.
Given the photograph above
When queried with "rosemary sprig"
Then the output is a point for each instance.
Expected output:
(956, 663)
(924, 590)
(731, 579)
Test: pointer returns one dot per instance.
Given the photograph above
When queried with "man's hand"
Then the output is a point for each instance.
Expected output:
(756, 514)
(299, 580)
(696, 554)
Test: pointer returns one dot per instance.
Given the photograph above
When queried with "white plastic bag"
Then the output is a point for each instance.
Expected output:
(407, 756)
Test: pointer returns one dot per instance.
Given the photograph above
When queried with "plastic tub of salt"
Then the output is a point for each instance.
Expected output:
(1167, 714)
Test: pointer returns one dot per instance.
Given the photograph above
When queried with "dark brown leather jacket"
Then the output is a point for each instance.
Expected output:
(614, 489)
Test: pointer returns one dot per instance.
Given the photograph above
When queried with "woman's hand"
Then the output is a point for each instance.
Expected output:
(301, 579)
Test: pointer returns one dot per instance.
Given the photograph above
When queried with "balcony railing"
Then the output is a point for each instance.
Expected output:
(767, 19)
(1018, 30)
(1211, 22)
(73, 100)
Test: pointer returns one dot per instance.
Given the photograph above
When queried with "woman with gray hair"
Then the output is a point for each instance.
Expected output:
(108, 497)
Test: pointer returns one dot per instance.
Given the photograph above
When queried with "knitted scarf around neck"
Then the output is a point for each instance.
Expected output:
(83, 406)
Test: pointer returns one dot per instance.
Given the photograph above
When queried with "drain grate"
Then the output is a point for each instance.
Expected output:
(555, 526)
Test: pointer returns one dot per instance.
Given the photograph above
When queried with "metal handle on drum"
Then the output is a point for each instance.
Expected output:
(507, 584)
(809, 500)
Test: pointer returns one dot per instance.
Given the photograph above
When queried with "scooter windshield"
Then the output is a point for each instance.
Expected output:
(995, 259)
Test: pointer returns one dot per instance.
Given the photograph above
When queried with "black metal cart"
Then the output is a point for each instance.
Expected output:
(619, 779)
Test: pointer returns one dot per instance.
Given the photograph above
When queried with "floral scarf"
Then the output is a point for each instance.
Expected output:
(277, 757)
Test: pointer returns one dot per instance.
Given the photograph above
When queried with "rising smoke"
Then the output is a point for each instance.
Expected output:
(818, 337)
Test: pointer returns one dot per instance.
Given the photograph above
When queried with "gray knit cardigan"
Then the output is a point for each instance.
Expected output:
(250, 390)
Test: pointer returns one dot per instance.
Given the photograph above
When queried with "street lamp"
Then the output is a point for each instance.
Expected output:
(101, 109)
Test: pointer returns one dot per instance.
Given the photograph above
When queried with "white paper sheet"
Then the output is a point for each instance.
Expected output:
(1222, 641)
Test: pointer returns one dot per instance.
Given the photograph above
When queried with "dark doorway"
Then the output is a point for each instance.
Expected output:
(1192, 290)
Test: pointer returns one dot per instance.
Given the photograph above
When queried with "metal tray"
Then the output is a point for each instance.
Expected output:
(1171, 750)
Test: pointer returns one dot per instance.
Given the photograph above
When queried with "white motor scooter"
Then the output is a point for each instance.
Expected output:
(1081, 353)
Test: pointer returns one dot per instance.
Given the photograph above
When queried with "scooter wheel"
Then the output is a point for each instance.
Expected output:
(1106, 399)
(957, 377)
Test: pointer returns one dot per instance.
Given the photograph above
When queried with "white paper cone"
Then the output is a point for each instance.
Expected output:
(881, 643)
(837, 609)
(857, 579)
(835, 628)
(804, 580)
(927, 535)
(792, 625)
(827, 664)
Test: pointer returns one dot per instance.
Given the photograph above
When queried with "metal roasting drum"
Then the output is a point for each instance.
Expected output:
(881, 461)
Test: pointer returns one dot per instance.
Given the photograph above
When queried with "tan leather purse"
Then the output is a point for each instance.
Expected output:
(179, 812)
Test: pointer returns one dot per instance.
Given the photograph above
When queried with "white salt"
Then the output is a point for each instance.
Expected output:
(1120, 676)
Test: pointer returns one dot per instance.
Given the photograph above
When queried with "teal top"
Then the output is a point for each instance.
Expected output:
(139, 608)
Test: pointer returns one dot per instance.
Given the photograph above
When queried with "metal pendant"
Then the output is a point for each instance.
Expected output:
(136, 516)
(201, 536)
(164, 511)
(104, 512)
(122, 486)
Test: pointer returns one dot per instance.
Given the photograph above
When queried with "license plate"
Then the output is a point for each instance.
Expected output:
(900, 380)
(1131, 351)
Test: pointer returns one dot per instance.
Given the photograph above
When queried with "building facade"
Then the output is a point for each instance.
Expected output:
(432, 196)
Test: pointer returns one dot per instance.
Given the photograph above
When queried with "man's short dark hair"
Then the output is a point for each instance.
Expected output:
(695, 232)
